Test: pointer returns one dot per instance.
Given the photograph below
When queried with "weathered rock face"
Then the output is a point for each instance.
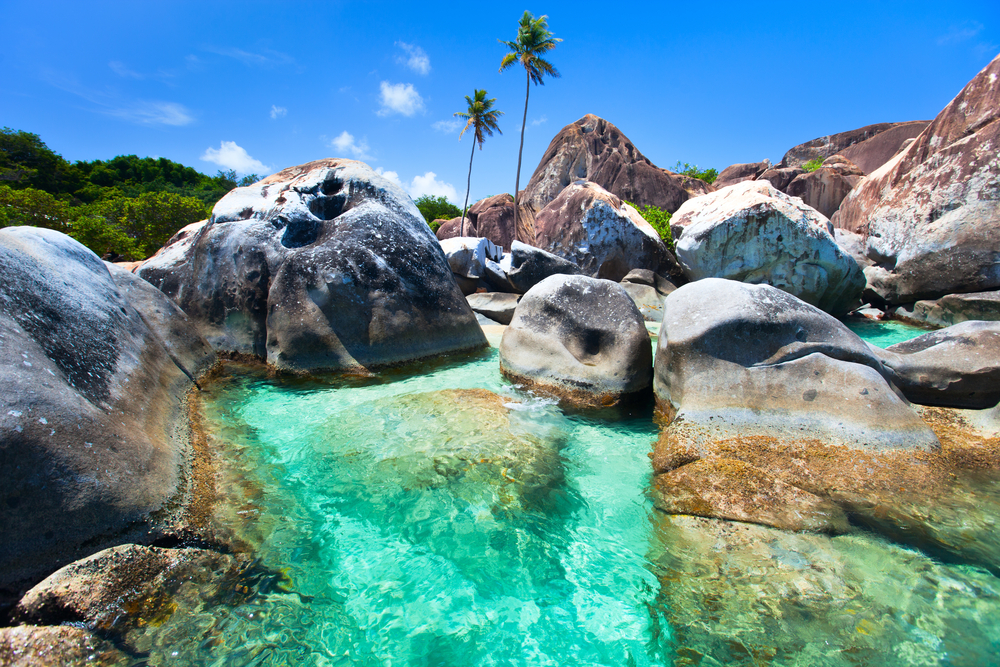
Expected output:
(525, 266)
(872, 153)
(932, 214)
(579, 338)
(954, 308)
(853, 244)
(955, 367)
(737, 173)
(595, 150)
(93, 370)
(823, 147)
(780, 178)
(323, 266)
(498, 306)
(753, 233)
(595, 230)
(491, 218)
(647, 290)
(825, 188)
(764, 388)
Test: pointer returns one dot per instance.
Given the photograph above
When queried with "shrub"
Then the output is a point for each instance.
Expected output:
(658, 219)
(707, 175)
(435, 208)
(813, 165)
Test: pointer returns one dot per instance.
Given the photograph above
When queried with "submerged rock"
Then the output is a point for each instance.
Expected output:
(322, 266)
(56, 646)
(94, 367)
(580, 338)
(753, 233)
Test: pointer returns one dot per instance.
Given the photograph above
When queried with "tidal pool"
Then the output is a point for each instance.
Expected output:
(437, 515)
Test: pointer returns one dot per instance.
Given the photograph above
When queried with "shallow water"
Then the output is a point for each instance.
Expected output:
(418, 520)
(885, 333)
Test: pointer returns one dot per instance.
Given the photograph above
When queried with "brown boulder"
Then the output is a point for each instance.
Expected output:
(932, 214)
(872, 153)
(780, 178)
(595, 150)
(494, 219)
(825, 188)
(824, 147)
(735, 173)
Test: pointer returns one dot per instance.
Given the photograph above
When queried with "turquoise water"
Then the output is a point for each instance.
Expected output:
(440, 516)
(883, 334)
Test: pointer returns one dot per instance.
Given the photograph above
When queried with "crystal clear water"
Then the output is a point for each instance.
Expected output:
(885, 333)
(440, 516)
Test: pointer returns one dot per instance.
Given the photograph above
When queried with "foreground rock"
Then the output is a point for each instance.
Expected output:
(587, 225)
(579, 338)
(825, 188)
(955, 367)
(753, 233)
(776, 399)
(323, 266)
(55, 646)
(932, 215)
(595, 150)
(94, 367)
(525, 266)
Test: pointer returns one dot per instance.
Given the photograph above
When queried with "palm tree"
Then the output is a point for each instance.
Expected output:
(533, 41)
(482, 117)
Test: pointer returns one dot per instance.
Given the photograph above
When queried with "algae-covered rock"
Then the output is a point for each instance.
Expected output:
(55, 646)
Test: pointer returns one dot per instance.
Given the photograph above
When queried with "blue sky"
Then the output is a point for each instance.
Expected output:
(259, 86)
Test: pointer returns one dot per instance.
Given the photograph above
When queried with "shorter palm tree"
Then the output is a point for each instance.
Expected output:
(482, 117)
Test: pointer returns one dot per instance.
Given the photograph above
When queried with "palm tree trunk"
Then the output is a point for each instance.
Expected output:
(468, 185)
(524, 122)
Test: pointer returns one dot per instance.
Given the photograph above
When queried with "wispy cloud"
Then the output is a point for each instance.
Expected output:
(232, 156)
(346, 144)
(538, 121)
(448, 126)
(278, 112)
(261, 58)
(401, 98)
(960, 33)
(153, 113)
(121, 70)
(416, 58)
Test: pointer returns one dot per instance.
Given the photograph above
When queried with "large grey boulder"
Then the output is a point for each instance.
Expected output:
(94, 367)
(955, 367)
(525, 266)
(498, 306)
(931, 215)
(601, 234)
(753, 233)
(323, 266)
(760, 388)
(579, 338)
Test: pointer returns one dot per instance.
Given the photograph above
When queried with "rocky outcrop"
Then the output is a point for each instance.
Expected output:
(605, 237)
(872, 153)
(931, 215)
(761, 388)
(525, 266)
(753, 233)
(579, 338)
(825, 188)
(323, 266)
(823, 147)
(737, 173)
(595, 150)
(780, 178)
(498, 306)
(467, 257)
(92, 380)
(956, 367)
(953, 309)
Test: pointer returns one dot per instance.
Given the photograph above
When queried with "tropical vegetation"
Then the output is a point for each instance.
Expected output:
(813, 165)
(435, 209)
(482, 118)
(658, 219)
(533, 41)
(707, 175)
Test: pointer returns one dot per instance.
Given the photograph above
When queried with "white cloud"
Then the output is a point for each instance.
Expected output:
(232, 156)
(401, 98)
(345, 143)
(418, 60)
(448, 126)
(278, 112)
(154, 113)
(538, 121)
(428, 184)
(392, 176)
(121, 70)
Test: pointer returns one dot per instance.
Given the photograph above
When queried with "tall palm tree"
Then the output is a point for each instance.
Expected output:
(533, 41)
(482, 118)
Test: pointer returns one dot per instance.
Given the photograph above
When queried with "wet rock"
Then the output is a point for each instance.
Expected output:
(498, 306)
(595, 150)
(55, 646)
(587, 225)
(825, 188)
(124, 587)
(322, 266)
(931, 215)
(526, 266)
(737, 173)
(753, 233)
(579, 338)
(92, 385)
(955, 308)
(955, 367)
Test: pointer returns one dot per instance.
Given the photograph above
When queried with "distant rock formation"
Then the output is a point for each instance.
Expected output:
(737, 173)
(854, 145)
(825, 188)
